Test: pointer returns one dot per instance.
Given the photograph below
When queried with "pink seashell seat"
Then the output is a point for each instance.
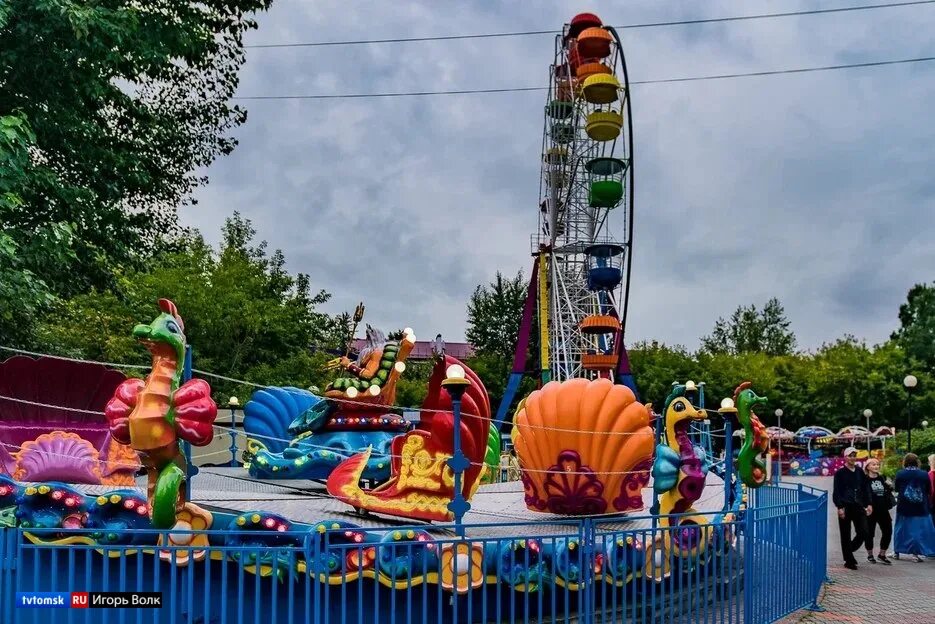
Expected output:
(40, 443)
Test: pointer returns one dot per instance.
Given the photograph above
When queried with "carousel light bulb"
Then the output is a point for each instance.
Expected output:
(455, 371)
(407, 331)
(400, 367)
(373, 390)
(233, 401)
(352, 393)
(690, 385)
(727, 403)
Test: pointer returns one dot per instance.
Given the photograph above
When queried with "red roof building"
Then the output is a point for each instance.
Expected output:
(423, 349)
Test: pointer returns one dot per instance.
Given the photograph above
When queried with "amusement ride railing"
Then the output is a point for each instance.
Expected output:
(754, 566)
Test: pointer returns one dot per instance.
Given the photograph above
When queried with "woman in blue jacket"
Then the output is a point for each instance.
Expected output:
(914, 534)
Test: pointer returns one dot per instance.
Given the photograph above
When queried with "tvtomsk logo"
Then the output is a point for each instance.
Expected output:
(89, 600)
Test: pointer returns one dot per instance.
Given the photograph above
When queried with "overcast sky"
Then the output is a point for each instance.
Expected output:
(814, 188)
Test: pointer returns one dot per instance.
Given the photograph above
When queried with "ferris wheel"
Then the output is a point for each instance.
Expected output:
(583, 244)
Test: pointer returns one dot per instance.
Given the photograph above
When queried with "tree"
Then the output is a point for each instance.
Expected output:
(25, 259)
(752, 331)
(656, 365)
(245, 317)
(916, 334)
(126, 101)
(494, 315)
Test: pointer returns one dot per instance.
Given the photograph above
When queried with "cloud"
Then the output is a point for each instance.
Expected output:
(815, 188)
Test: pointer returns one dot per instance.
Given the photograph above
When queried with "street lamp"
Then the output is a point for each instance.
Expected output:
(778, 413)
(728, 412)
(867, 414)
(233, 403)
(910, 382)
(456, 382)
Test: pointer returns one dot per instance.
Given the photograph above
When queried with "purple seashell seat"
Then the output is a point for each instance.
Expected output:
(40, 443)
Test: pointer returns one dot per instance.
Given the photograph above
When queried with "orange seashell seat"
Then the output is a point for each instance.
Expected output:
(584, 447)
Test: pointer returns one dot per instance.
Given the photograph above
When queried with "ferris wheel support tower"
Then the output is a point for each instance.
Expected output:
(579, 289)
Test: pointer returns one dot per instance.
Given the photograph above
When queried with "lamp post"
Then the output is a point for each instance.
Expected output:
(778, 413)
(729, 413)
(910, 382)
(867, 414)
(233, 403)
(456, 383)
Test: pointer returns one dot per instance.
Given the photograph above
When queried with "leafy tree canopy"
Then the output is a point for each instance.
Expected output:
(916, 333)
(25, 260)
(125, 101)
(831, 387)
(494, 315)
(245, 316)
(752, 331)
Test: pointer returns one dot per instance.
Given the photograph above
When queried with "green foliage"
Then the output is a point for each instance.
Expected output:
(412, 386)
(125, 102)
(831, 387)
(752, 331)
(923, 445)
(494, 315)
(923, 442)
(25, 259)
(916, 334)
(656, 366)
(245, 316)
(494, 371)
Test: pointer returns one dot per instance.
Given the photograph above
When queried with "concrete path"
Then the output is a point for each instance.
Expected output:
(874, 594)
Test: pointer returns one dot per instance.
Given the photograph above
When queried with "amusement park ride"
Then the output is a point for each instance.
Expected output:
(581, 272)
(587, 447)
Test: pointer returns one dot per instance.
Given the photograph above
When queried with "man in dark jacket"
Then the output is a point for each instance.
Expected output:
(852, 498)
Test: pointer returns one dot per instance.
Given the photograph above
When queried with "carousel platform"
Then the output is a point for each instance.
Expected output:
(496, 509)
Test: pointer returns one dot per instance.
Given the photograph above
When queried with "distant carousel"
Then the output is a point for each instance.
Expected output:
(816, 451)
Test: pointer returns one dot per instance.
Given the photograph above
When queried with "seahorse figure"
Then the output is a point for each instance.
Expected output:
(679, 473)
(750, 462)
(151, 416)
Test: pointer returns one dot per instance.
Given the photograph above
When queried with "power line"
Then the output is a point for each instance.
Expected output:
(526, 33)
(335, 96)
(797, 70)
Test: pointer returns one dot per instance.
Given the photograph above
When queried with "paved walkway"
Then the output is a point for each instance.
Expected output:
(875, 593)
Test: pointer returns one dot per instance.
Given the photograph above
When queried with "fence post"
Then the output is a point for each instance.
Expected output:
(314, 568)
(586, 586)
(750, 583)
(5, 597)
(190, 468)
(820, 552)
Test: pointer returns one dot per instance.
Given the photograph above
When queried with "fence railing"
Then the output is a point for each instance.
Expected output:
(755, 566)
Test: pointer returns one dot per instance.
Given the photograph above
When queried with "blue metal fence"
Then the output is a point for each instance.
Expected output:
(756, 566)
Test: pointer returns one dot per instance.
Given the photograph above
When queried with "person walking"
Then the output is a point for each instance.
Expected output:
(932, 485)
(881, 500)
(914, 534)
(851, 495)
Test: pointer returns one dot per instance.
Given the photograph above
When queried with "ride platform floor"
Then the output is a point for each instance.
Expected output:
(497, 509)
